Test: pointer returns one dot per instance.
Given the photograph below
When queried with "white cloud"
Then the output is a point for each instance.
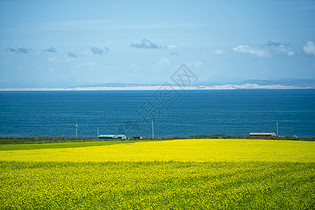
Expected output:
(52, 59)
(50, 50)
(72, 55)
(309, 48)
(218, 52)
(163, 62)
(290, 53)
(266, 50)
(284, 50)
(196, 64)
(97, 51)
(172, 47)
(86, 52)
(251, 50)
(279, 48)
(145, 44)
(21, 50)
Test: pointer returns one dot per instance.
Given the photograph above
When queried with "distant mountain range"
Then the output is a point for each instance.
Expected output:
(246, 84)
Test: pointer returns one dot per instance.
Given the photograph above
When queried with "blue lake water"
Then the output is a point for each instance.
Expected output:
(175, 113)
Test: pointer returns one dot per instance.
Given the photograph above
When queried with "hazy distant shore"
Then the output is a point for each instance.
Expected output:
(163, 87)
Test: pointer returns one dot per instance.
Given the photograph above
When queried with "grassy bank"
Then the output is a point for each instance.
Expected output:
(43, 140)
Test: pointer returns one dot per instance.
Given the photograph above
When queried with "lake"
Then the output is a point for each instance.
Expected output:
(174, 113)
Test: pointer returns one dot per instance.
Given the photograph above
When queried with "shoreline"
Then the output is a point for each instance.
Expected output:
(64, 139)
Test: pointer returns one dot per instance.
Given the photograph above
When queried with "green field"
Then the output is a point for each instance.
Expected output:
(184, 174)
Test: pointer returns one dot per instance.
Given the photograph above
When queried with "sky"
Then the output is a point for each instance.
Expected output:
(67, 43)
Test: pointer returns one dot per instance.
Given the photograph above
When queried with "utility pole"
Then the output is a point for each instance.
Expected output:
(277, 129)
(76, 129)
(98, 132)
(152, 129)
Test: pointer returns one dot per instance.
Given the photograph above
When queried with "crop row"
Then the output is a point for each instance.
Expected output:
(134, 185)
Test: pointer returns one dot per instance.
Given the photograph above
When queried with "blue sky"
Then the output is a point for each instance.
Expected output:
(46, 44)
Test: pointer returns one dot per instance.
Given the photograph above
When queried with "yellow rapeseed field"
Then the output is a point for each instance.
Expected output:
(192, 150)
(175, 174)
